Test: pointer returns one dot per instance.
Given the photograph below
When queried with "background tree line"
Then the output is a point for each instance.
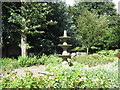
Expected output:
(34, 27)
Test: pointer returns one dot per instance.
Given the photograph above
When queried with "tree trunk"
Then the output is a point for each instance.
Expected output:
(23, 44)
(1, 44)
(0, 51)
(87, 50)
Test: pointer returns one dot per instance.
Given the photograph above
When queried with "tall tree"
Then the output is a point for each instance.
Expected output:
(10, 32)
(30, 18)
(47, 42)
(112, 37)
(101, 8)
(90, 28)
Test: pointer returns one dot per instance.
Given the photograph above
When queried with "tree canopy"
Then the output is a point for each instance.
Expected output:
(89, 24)
(90, 28)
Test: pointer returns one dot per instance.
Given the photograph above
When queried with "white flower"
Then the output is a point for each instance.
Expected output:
(96, 80)
(82, 78)
(65, 73)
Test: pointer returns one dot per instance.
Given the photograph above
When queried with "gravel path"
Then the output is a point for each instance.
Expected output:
(41, 69)
(36, 70)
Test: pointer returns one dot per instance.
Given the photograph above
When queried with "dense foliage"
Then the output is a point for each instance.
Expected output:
(9, 64)
(102, 57)
(36, 26)
(99, 58)
(102, 10)
(43, 19)
(43, 60)
(53, 18)
(90, 28)
(77, 76)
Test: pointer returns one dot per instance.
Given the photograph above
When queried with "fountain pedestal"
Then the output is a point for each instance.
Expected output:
(64, 46)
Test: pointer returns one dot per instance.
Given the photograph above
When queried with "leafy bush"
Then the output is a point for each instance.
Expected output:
(93, 60)
(81, 76)
(27, 61)
(108, 52)
(43, 60)
(102, 57)
(8, 64)
(53, 59)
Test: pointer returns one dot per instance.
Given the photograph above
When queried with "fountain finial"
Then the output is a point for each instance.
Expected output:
(65, 33)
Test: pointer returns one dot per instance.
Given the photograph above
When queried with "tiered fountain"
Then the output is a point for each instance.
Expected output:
(64, 46)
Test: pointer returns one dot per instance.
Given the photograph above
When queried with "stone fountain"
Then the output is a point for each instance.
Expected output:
(64, 46)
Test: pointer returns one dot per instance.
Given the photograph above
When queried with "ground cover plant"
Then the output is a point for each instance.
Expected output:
(77, 76)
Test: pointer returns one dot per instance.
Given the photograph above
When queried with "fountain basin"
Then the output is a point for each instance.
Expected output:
(64, 37)
(64, 56)
(64, 46)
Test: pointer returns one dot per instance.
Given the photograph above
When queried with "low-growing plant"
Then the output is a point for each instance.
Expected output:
(96, 58)
(53, 59)
(108, 52)
(8, 64)
(104, 76)
(77, 76)
(43, 60)
(27, 61)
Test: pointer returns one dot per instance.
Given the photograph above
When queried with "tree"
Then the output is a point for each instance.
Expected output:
(90, 28)
(30, 18)
(101, 8)
(47, 42)
(41, 43)
(112, 37)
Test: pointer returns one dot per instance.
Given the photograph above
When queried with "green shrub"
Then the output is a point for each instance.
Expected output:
(102, 57)
(8, 64)
(27, 61)
(105, 76)
(108, 52)
(43, 60)
(54, 59)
